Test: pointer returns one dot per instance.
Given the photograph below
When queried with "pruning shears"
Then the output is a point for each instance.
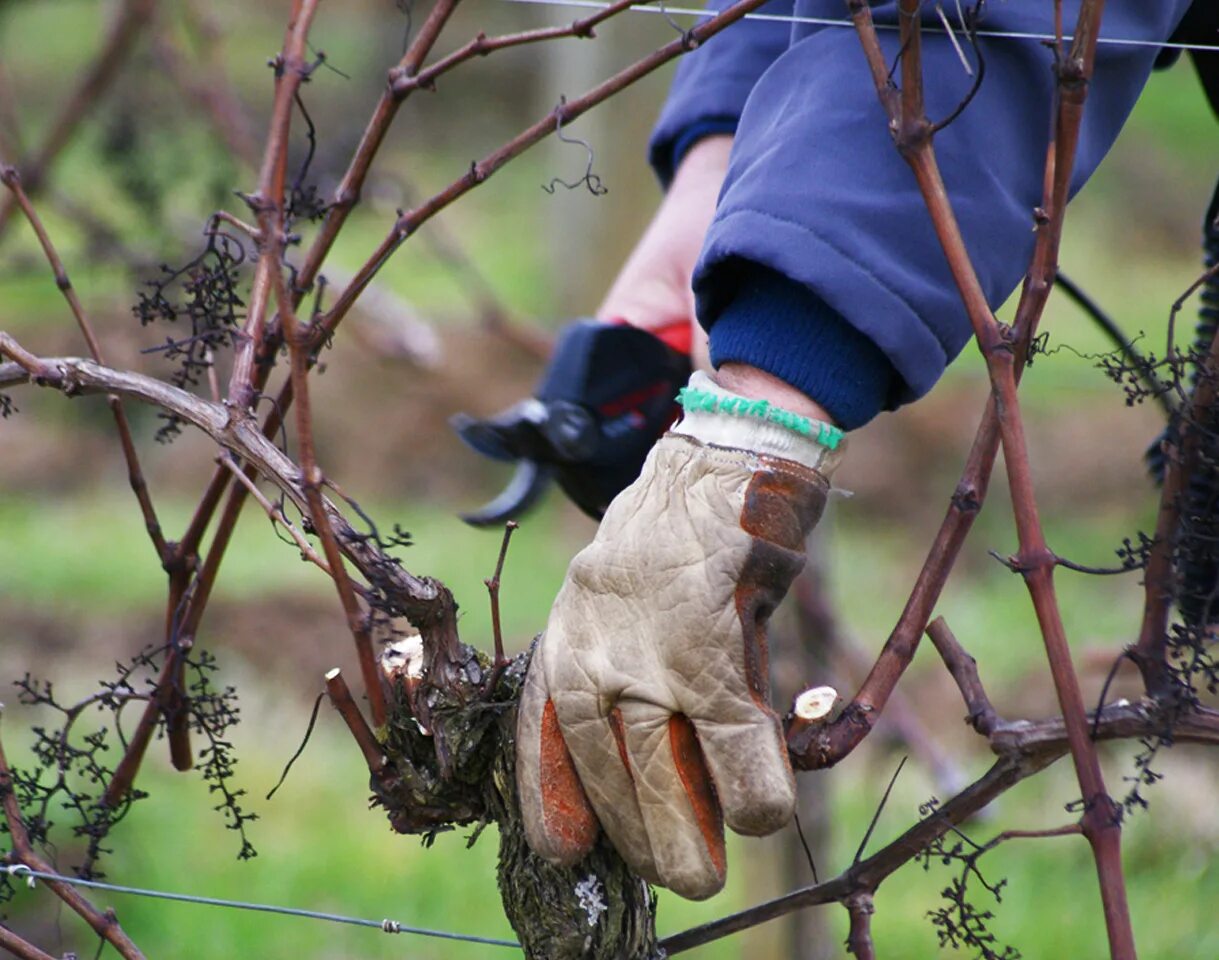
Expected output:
(606, 396)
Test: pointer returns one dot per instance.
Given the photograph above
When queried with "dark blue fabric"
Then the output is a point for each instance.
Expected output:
(782, 327)
(714, 81)
(816, 191)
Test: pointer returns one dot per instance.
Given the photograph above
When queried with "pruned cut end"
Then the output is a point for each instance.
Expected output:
(404, 659)
(816, 703)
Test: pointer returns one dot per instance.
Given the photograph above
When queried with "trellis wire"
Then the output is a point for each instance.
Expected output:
(832, 22)
(386, 926)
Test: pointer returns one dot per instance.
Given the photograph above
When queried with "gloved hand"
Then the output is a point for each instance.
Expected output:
(645, 709)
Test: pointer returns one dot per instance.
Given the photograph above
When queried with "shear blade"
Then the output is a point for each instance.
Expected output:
(512, 434)
(489, 439)
(528, 483)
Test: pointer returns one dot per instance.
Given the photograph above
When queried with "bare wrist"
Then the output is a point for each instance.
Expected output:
(704, 163)
(759, 385)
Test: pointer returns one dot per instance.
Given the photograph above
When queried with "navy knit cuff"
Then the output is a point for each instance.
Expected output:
(780, 326)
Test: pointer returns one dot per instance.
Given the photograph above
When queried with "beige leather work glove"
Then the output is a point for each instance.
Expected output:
(645, 709)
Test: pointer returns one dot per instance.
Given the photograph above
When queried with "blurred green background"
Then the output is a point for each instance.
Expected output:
(79, 587)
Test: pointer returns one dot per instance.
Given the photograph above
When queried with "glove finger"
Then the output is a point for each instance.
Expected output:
(676, 799)
(560, 825)
(750, 767)
(598, 748)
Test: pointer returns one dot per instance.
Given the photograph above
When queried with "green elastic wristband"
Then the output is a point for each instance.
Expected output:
(704, 401)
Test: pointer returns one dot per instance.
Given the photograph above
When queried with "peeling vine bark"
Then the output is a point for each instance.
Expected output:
(597, 909)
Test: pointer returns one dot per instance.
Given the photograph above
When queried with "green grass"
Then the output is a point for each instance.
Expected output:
(106, 565)
(320, 848)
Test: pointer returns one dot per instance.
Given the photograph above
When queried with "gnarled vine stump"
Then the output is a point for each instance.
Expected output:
(449, 745)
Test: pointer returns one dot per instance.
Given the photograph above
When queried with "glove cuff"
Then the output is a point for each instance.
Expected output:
(725, 419)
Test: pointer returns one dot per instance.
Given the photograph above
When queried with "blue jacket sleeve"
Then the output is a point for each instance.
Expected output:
(817, 193)
(713, 82)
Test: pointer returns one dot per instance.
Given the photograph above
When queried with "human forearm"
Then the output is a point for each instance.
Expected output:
(652, 290)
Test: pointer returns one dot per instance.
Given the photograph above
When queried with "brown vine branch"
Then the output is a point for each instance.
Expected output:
(861, 17)
(135, 475)
(1100, 821)
(276, 516)
(869, 873)
(74, 376)
(1024, 748)
(347, 193)
(859, 940)
(345, 199)
(493, 591)
(860, 715)
(20, 948)
(346, 196)
(132, 17)
(913, 130)
(482, 45)
(291, 70)
(480, 171)
(104, 924)
(964, 669)
(345, 704)
(1119, 721)
(181, 626)
(849, 656)
(357, 623)
(169, 700)
(1150, 651)
(223, 216)
(1067, 830)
